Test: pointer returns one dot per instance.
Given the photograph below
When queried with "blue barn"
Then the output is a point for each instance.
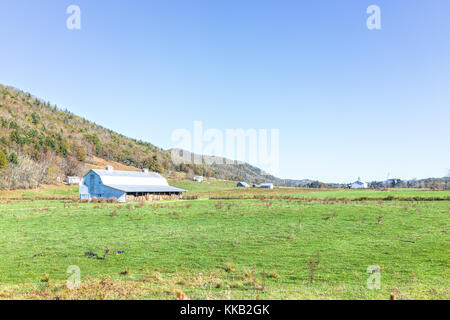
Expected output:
(110, 183)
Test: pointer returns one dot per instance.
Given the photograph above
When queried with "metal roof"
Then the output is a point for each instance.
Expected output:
(127, 188)
(242, 183)
(118, 173)
(132, 178)
(135, 181)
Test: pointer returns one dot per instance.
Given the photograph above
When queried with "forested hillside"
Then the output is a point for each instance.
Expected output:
(41, 143)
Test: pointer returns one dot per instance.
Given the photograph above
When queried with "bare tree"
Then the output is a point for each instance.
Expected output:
(26, 174)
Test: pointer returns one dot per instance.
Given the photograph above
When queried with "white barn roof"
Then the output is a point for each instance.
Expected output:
(134, 181)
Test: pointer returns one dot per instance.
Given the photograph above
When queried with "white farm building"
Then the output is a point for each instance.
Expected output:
(198, 179)
(110, 183)
(359, 184)
(73, 180)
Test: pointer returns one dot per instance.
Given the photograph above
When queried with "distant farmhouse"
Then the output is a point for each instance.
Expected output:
(73, 180)
(242, 184)
(358, 184)
(266, 185)
(198, 179)
(110, 183)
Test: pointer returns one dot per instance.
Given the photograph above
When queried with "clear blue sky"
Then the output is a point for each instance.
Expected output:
(348, 101)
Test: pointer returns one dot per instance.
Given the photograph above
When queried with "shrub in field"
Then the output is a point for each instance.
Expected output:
(112, 200)
(94, 200)
(229, 267)
(113, 213)
(181, 295)
(102, 200)
(125, 272)
(45, 278)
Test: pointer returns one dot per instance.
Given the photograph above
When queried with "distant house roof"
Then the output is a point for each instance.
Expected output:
(243, 184)
(135, 181)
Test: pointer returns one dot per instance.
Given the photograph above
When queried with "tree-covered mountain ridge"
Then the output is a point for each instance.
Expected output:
(43, 143)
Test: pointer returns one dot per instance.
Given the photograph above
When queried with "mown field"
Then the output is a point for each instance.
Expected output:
(228, 244)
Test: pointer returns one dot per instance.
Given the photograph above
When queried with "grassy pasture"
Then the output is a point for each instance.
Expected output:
(255, 247)
(390, 194)
(195, 187)
(57, 192)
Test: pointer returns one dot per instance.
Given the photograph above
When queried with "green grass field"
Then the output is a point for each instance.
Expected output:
(258, 246)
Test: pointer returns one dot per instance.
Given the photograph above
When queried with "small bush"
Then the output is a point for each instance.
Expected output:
(45, 278)
(112, 200)
(229, 267)
(125, 272)
(273, 275)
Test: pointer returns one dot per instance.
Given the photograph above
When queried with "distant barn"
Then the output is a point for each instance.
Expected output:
(359, 184)
(110, 183)
(242, 184)
(266, 185)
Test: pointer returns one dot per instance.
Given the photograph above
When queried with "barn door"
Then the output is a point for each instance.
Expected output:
(92, 185)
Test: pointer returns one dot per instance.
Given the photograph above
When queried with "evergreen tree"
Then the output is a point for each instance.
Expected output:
(13, 158)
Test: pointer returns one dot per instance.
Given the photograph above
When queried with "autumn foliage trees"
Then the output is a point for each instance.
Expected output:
(33, 132)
